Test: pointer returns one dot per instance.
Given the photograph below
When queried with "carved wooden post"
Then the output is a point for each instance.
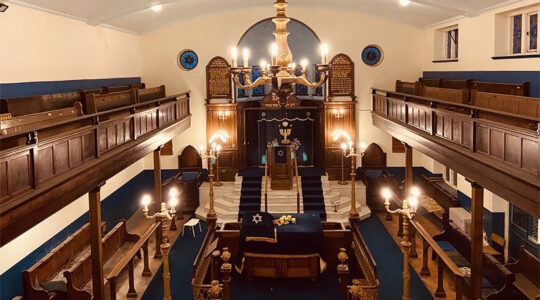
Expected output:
(440, 279)
(343, 274)
(425, 267)
(433, 105)
(459, 287)
(132, 293)
(477, 233)
(226, 269)
(157, 197)
(214, 267)
(146, 269)
(96, 249)
(408, 169)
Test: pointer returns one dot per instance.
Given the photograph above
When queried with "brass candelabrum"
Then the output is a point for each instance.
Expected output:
(280, 73)
(350, 152)
(407, 210)
(163, 217)
(211, 154)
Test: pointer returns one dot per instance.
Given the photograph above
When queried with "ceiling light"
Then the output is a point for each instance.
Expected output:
(3, 7)
(404, 2)
(156, 7)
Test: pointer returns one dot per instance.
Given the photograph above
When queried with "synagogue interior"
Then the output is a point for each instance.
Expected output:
(269, 149)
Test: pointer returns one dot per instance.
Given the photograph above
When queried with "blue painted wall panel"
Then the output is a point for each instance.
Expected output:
(23, 89)
(493, 76)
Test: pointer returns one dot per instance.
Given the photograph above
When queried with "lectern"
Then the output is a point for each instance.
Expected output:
(280, 163)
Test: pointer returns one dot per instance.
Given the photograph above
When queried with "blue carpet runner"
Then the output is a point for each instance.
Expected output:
(312, 192)
(250, 195)
(389, 259)
(181, 257)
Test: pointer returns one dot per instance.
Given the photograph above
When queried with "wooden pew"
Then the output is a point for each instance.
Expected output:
(412, 88)
(516, 89)
(149, 94)
(526, 270)
(518, 105)
(50, 267)
(375, 176)
(458, 245)
(430, 82)
(102, 102)
(436, 188)
(119, 248)
(451, 95)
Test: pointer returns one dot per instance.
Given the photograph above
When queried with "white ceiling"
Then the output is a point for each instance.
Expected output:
(136, 16)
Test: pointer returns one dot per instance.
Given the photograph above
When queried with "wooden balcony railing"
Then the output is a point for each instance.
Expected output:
(53, 169)
(443, 261)
(455, 135)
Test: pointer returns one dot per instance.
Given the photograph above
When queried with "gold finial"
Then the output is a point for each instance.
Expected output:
(215, 290)
(342, 256)
(226, 255)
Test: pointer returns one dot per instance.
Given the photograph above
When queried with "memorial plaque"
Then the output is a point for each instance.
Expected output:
(218, 80)
(341, 77)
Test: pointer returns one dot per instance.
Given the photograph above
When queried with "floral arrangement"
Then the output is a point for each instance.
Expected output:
(286, 220)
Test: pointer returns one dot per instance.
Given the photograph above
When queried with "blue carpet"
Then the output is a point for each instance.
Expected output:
(312, 192)
(389, 261)
(250, 195)
(181, 257)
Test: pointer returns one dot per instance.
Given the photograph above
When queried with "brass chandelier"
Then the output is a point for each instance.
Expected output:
(281, 71)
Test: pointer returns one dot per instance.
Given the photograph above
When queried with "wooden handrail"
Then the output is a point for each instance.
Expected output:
(297, 184)
(440, 252)
(388, 94)
(184, 95)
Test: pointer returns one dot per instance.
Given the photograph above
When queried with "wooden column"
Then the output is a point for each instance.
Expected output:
(157, 197)
(94, 207)
(477, 233)
(408, 170)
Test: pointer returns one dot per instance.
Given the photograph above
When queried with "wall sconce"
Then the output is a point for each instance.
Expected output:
(223, 115)
(339, 113)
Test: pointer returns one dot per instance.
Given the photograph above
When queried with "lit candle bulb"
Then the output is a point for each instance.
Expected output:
(293, 66)
(274, 53)
(324, 53)
(145, 202)
(201, 148)
(245, 54)
(218, 148)
(234, 57)
(263, 65)
(386, 193)
(304, 64)
(363, 146)
(343, 147)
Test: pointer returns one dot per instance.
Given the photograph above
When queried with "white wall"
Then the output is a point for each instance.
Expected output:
(477, 45)
(345, 32)
(40, 46)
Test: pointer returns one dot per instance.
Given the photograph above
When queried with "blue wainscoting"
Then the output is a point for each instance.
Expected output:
(23, 89)
(493, 76)
(121, 204)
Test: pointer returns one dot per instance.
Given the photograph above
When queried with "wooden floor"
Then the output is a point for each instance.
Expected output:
(433, 228)
(142, 282)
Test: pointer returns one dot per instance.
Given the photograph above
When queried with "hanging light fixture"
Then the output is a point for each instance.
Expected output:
(280, 73)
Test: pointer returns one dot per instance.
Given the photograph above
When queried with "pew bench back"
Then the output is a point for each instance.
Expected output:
(36, 104)
(445, 94)
(50, 266)
(149, 94)
(516, 89)
(101, 102)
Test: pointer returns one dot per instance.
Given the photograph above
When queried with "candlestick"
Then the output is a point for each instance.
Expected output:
(324, 53)
(234, 56)
(245, 54)
(274, 53)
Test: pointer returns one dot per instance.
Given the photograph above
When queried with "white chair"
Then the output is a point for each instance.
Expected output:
(191, 223)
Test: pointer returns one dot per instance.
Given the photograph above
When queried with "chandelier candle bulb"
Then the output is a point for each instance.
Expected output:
(324, 53)
(234, 57)
(245, 54)
(274, 53)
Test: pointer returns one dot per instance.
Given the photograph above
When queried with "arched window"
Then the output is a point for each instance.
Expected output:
(303, 42)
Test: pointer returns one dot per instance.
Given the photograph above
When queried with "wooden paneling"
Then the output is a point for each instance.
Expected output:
(338, 116)
(223, 117)
(74, 154)
(510, 153)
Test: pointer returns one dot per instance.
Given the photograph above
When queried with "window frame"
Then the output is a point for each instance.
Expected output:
(525, 31)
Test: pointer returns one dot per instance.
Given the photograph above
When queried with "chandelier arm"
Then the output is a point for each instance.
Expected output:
(304, 81)
(260, 81)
